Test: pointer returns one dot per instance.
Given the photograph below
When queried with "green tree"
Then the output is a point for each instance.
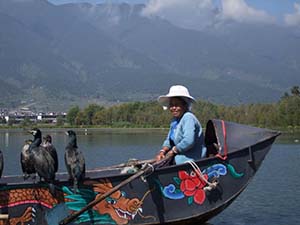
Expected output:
(80, 119)
(102, 118)
(289, 111)
(90, 111)
(72, 114)
(295, 91)
(284, 113)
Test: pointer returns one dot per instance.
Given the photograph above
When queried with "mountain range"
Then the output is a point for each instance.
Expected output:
(55, 56)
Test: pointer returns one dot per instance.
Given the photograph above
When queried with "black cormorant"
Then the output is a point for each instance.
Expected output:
(47, 144)
(43, 162)
(27, 163)
(74, 160)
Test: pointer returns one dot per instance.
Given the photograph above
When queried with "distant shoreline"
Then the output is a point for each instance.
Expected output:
(80, 129)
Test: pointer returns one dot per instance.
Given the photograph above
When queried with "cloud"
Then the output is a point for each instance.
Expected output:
(197, 14)
(190, 14)
(239, 11)
(294, 18)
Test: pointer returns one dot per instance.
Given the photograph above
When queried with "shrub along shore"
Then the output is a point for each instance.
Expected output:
(283, 115)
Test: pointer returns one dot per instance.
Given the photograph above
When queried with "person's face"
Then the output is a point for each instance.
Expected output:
(177, 107)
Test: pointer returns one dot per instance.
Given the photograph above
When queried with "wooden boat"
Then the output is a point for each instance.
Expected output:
(146, 193)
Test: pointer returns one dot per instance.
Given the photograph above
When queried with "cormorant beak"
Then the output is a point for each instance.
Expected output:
(67, 133)
(33, 132)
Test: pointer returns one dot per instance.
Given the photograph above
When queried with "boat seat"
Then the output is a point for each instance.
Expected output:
(211, 140)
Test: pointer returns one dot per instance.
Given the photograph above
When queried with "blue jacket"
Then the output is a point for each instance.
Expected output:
(188, 138)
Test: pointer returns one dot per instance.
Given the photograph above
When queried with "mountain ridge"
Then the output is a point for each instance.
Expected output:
(74, 54)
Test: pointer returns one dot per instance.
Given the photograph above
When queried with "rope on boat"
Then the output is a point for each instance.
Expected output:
(211, 185)
(143, 178)
(133, 165)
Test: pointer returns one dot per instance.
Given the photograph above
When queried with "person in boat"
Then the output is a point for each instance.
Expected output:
(185, 138)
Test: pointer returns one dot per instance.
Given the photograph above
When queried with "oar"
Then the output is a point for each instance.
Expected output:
(148, 168)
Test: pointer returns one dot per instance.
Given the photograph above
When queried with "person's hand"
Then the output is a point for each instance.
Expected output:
(160, 156)
(172, 152)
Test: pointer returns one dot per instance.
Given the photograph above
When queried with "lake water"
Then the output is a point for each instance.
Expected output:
(272, 197)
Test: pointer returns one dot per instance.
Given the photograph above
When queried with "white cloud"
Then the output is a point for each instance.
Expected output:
(239, 11)
(196, 14)
(191, 14)
(294, 18)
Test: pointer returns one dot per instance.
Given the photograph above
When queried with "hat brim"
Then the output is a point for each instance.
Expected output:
(165, 99)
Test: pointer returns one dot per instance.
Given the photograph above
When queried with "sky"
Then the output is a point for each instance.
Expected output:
(196, 14)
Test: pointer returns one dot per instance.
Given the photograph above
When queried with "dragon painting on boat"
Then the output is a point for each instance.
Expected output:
(188, 193)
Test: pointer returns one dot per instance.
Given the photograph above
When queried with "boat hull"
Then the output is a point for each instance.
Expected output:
(187, 194)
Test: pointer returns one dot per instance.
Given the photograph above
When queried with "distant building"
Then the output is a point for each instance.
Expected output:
(19, 116)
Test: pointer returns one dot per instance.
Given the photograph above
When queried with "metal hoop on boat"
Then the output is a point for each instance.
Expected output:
(143, 178)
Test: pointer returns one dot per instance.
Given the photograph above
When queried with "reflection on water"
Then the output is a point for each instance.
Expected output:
(6, 139)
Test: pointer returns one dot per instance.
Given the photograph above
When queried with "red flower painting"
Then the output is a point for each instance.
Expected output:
(192, 186)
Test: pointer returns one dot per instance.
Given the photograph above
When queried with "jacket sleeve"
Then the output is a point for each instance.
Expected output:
(166, 142)
(188, 134)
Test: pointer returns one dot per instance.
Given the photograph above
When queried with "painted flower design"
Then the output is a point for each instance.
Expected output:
(192, 186)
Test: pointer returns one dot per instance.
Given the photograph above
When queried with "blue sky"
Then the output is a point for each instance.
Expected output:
(185, 12)
(274, 7)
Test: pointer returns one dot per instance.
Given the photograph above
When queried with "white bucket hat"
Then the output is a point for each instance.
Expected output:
(176, 91)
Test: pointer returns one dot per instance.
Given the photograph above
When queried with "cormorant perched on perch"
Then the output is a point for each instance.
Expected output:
(74, 160)
(43, 162)
(27, 163)
(47, 144)
(1, 163)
